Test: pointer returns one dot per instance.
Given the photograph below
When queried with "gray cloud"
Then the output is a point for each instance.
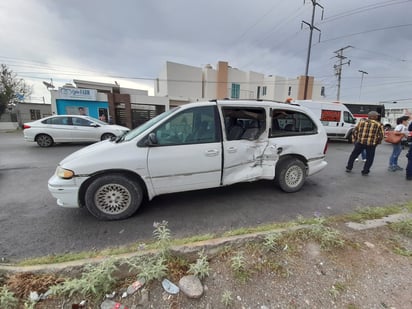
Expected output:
(132, 38)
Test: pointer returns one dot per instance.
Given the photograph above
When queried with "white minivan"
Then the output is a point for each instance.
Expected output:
(194, 146)
(335, 117)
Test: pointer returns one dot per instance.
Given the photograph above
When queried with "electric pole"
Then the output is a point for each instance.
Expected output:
(361, 81)
(311, 27)
(338, 67)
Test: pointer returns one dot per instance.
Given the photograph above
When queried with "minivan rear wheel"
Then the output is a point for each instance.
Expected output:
(113, 197)
(290, 175)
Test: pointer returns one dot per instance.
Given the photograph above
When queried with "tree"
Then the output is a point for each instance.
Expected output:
(12, 88)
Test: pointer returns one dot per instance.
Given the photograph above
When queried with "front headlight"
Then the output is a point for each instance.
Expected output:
(64, 173)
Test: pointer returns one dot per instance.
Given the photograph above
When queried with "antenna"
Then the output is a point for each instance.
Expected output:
(49, 85)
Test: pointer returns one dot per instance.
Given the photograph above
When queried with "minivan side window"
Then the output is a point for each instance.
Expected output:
(193, 126)
(288, 123)
(243, 122)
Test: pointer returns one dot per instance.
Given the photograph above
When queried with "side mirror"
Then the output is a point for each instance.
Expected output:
(152, 139)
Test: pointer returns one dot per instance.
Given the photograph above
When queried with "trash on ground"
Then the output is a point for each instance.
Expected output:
(170, 287)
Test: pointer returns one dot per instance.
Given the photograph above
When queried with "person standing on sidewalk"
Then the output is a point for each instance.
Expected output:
(366, 135)
(401, 128)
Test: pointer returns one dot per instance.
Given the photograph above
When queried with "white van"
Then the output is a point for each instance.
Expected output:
(194, 146)
(335, 117)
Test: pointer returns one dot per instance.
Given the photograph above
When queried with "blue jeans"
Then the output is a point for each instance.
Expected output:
(393, 160)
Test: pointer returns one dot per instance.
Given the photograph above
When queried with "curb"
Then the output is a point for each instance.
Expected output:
(211, 246)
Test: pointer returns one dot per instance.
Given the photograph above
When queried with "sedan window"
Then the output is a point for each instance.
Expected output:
(81, 122)
(57, 121)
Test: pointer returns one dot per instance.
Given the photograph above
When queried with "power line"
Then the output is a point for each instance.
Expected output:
(366, 31)
(362, 9)
(338, 67)
(311, 27)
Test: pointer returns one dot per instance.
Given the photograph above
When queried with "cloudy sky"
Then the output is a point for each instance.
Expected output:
(130, 41)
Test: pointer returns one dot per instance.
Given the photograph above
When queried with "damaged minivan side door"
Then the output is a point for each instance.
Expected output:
(245, 145)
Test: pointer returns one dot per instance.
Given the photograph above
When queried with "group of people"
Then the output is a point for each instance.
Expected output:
(368, 134)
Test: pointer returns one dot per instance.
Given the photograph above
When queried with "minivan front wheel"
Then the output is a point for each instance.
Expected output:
(290, 175)
(113, 197)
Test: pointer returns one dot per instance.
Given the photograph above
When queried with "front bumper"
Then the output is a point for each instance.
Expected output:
(66, 191)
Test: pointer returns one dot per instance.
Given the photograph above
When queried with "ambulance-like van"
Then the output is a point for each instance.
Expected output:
(335, 117)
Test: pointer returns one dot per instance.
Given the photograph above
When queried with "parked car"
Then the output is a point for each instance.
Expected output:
(69, 128)
(194, 146)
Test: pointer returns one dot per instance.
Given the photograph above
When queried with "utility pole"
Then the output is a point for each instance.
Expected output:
(338, 67)
(361, 81)
(311, 27)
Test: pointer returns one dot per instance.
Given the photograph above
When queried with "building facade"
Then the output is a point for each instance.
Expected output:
(183, 83)
(123, 106)
(23, 112)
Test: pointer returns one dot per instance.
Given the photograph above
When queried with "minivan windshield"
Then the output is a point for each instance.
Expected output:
(135, 132)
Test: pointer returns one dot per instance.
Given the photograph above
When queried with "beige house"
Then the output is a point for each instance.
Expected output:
(183, 83)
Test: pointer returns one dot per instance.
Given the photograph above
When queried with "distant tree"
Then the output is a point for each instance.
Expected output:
(12, 88)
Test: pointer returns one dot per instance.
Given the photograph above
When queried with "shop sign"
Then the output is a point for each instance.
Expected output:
(77, 94)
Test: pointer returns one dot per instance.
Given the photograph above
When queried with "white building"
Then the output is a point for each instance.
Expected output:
(183, 83)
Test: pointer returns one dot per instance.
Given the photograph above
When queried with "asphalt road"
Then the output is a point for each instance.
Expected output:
(31, 224)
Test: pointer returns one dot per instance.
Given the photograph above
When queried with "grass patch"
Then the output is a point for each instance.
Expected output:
(325, 235)
(257, 229)
(371, 213)
(402, 227)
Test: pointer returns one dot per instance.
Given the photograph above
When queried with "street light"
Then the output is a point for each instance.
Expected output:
(360, 90)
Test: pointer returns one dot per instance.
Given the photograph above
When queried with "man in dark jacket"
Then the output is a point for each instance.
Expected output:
(366, 135)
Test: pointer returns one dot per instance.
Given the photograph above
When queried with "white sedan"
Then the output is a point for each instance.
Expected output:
(69, 128)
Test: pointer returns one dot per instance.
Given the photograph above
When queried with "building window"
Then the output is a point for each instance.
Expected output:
(235, 91)
(322, 91)
(289, 90)
(35, 114)
(264, 89)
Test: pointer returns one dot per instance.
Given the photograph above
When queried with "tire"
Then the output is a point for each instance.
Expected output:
(290, 175)
(350, 140)
(44, 140)
(113, 197)
(107, 136)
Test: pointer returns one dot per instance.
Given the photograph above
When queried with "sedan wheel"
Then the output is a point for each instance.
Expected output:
(290, 175)
(44, 140)
(113, 197)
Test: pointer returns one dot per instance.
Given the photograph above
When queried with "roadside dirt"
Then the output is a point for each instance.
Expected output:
(297, 273)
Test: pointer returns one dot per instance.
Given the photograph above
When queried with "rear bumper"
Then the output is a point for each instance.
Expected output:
(316, 166)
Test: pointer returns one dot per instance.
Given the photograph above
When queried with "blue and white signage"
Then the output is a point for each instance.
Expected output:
(78, 94)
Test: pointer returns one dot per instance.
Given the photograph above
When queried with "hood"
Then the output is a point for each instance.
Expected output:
(106, 155)
(91, 150)
(117, 127)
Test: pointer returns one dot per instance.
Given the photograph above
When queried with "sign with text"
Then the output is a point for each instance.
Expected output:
(78, 94)
(330, 115)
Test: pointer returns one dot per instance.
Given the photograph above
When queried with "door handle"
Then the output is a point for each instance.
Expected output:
(232, 149)
(212, 152)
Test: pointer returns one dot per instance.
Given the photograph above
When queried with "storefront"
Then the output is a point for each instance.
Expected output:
(75, 101)
(108, 102)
